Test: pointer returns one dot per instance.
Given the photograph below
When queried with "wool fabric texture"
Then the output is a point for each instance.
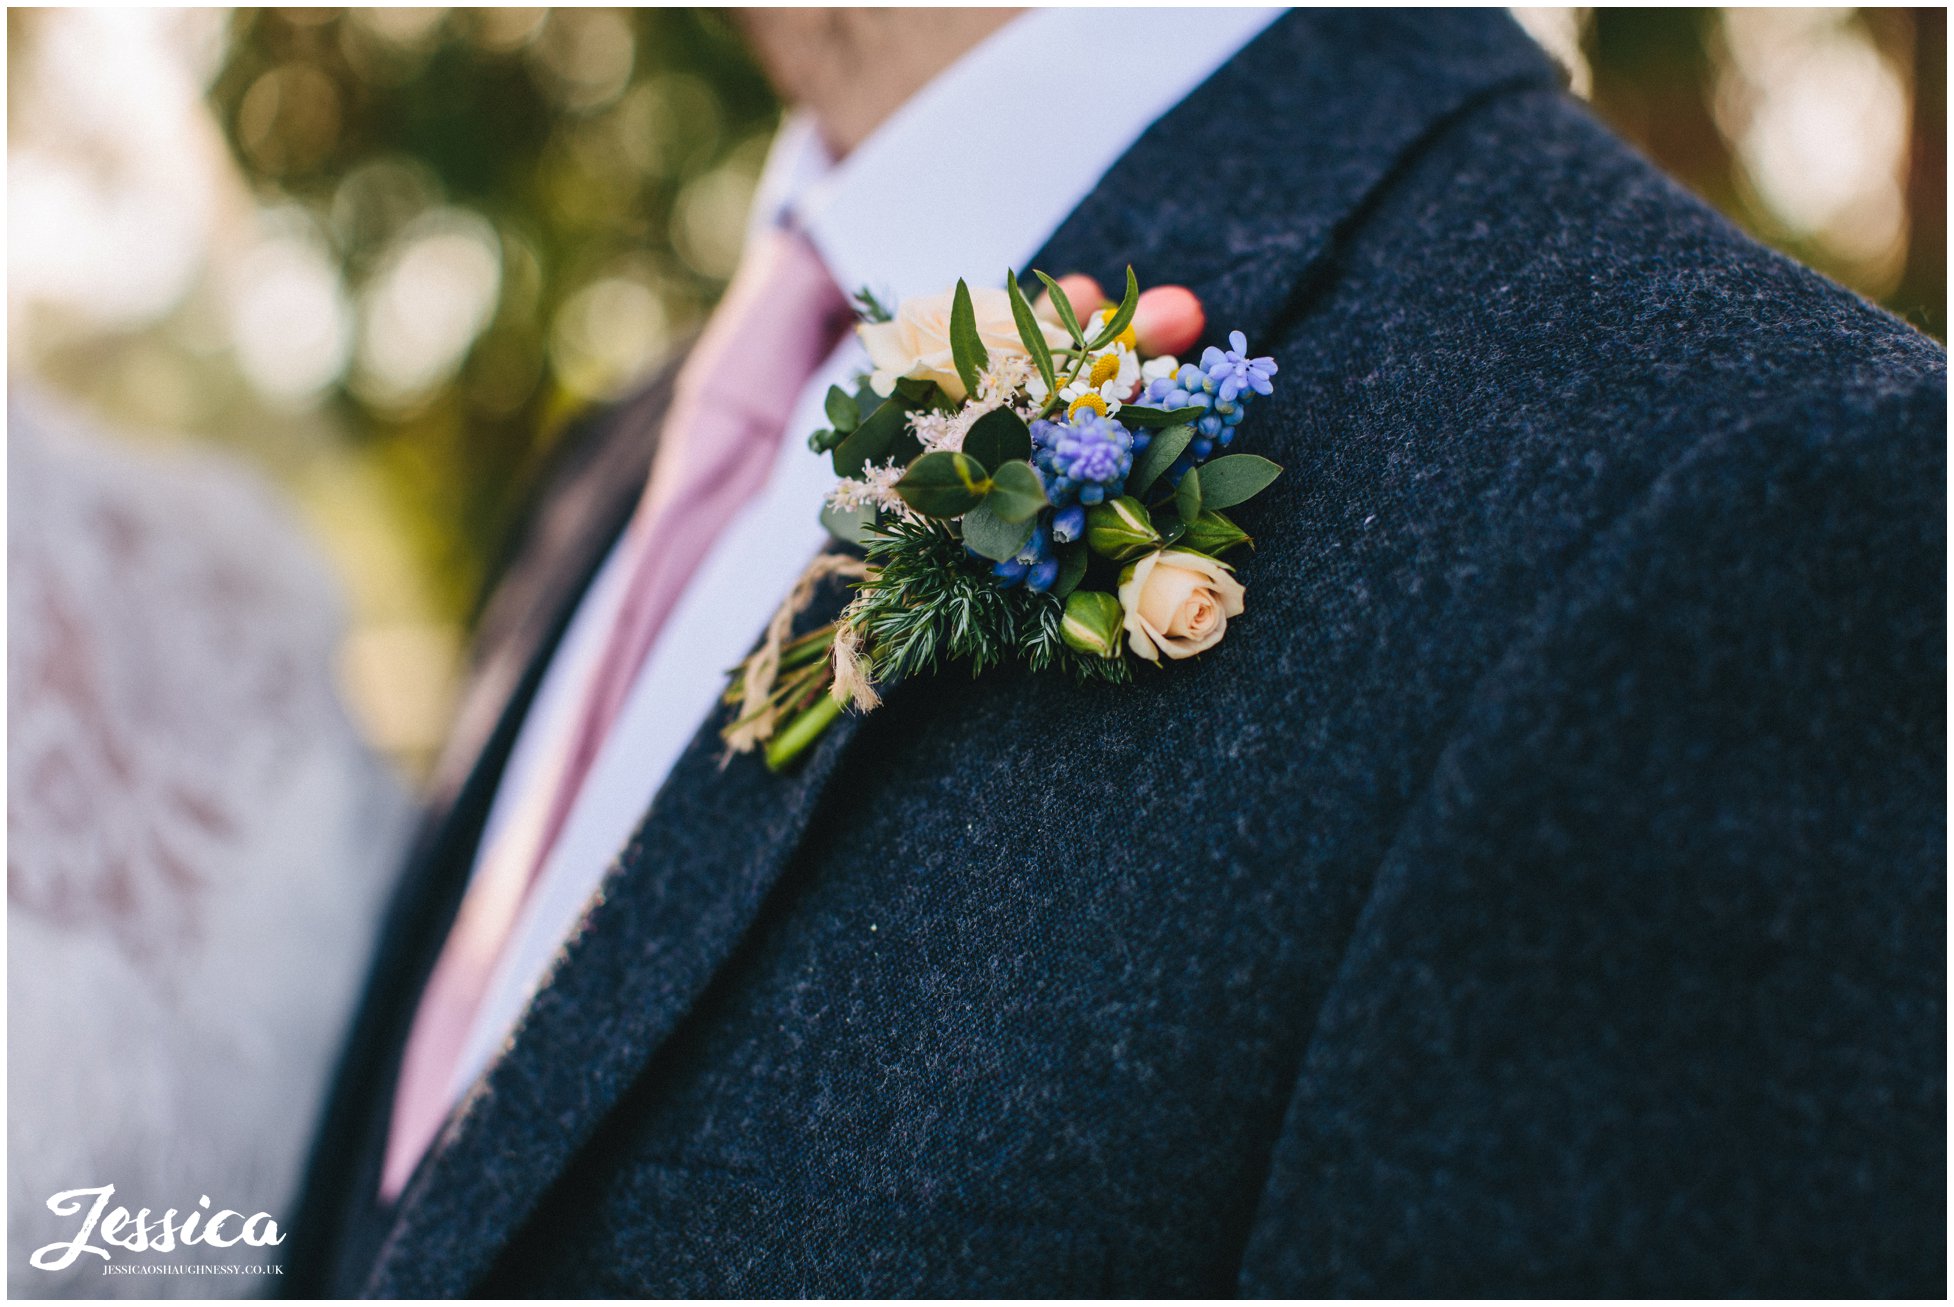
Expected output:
(1540, 891)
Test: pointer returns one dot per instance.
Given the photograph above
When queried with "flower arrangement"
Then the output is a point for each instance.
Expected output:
(1025, 484)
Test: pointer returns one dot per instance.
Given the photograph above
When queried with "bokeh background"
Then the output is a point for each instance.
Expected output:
(383, 254)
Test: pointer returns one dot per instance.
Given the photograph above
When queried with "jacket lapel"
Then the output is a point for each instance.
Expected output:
(1240, 193)
(560, 549)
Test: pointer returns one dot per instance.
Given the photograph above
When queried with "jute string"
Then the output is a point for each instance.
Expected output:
(756, 717)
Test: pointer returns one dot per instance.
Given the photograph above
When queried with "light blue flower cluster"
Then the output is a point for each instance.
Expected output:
(1223, 383)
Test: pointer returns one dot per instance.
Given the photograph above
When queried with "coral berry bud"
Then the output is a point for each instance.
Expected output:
(1168, 320)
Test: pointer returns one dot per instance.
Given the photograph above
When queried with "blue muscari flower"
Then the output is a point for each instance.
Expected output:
(1035, 564)
(1234, 372)
(1222, 383)
(1084, 459)
(1069, 523)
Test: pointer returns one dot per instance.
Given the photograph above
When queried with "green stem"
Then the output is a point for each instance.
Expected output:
(799, 653)
(804, 730)
(1078, 365)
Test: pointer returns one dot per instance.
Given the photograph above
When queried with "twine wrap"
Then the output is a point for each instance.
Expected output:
(757, 719)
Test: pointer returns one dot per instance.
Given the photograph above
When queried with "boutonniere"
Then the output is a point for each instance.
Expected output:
(1025, 484)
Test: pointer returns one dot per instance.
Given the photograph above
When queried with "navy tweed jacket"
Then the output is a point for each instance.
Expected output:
(1541, 890)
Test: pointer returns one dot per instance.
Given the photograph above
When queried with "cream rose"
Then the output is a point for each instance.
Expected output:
(1177, 603)
(916, 342)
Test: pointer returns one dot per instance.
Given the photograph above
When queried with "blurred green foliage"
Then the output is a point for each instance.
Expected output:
(608, 151)
(1685, 85)
(420, 239)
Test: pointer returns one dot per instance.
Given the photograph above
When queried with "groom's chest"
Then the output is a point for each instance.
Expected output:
(1025, 1003)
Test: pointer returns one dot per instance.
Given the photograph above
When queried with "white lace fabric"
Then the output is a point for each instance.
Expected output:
(197, 839)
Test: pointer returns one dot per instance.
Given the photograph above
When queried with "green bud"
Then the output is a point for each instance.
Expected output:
(1119, 529)
(1213, 533)
(1094, 623)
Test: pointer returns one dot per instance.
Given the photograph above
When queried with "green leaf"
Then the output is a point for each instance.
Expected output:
(1067, 318)
(852, 526)
(943, 483)
(869, 306)
(1159, 455)
(966, 346)
(991, 535)
(997, 438)
(1212, 533)
(843, 412)
(1072, 561)
(1168, 523)
(1122, 315)
(1228, 481)
(919, 391)
(1134, 416)
(1016, 493)
(872, 441)
(1187, 496)
(1032, 332)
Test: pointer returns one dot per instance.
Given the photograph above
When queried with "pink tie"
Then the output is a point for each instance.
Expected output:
(778, 321)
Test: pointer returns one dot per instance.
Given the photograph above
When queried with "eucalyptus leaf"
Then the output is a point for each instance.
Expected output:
(917, 390)
(1187, 496)
(1016, 492)
(1122, 315)
(993, 536)
(1072, 561)
(850, 526)
(1229, 480)
(843, 411)
(997, 438)
(1063, 303)
(966, 346)
(1159, 455)
(872, 441)
(1168, 523)
(905, 448)
(1214, 533)
(943, 483)
(1032, 332)
(1133, 415)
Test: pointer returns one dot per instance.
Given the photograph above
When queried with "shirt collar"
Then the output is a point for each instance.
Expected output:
(975, 171)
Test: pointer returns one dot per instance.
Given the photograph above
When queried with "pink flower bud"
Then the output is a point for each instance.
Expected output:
(1081, 290)
(1168, 320)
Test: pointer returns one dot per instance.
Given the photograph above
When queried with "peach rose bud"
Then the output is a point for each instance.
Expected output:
(1083, 292)
(1168, 320)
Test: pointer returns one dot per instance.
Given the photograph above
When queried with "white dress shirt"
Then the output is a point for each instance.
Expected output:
(968, 178)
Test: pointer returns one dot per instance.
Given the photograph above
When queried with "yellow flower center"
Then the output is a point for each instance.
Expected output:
(1092, 402)
(1128, 337)
(1104, 369)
